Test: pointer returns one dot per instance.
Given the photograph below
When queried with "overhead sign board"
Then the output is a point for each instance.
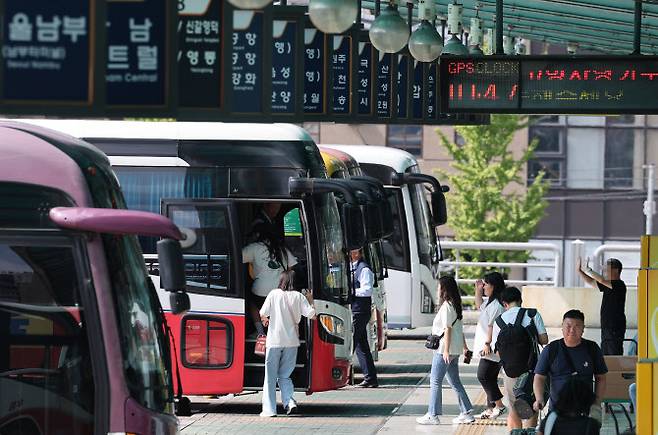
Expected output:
(549, 84)
(46, 51)
(136, 53)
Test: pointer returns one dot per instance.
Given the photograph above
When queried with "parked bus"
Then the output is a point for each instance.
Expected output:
(83, 345)
(215, 180)
(340, 165)
(412, 253)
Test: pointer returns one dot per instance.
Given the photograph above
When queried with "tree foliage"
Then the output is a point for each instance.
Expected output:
(488, 200)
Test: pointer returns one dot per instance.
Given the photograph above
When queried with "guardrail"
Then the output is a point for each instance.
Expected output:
(457, 246)
(599, 255)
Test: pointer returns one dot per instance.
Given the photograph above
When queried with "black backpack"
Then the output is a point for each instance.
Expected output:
(517, 345)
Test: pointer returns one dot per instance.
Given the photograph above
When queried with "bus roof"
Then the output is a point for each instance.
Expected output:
(347, 159)
(394, 158)
(175, 130)
(38, 156)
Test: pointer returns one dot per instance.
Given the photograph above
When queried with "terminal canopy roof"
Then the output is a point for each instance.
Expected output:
(603, 26)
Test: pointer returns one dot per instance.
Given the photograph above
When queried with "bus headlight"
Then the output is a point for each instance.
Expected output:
(332, 326)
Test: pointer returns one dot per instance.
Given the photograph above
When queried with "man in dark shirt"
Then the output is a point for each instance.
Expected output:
(567, 358)
(613, 317)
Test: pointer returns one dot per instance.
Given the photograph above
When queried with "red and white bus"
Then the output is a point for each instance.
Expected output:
(212, 179)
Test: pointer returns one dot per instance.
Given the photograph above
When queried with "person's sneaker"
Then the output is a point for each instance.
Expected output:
(367, 384)
(428, 419)
(463, 418)
(291, 408)
(267, 414)
(486, 414)
(497, 412)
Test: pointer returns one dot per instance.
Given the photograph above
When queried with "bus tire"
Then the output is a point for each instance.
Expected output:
(183, 407)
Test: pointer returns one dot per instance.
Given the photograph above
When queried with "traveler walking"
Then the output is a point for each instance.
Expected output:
(571, 415)
(567, 358)
(448, 324)
(282, 311)
(491, 286)
(613, 317)
(363, 279)
(517, 332)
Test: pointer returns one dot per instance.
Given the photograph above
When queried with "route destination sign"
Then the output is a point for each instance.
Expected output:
(549, 84)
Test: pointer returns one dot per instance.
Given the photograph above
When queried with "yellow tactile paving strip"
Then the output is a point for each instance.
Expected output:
(479, 426)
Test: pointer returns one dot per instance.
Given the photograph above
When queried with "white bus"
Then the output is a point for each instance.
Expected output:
(411, 253)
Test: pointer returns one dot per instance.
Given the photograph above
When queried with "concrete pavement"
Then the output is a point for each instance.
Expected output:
(402, 396)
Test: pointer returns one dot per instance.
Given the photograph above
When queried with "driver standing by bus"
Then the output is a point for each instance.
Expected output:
(363, 279)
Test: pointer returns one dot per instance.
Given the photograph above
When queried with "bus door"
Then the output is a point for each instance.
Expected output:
(210, 341)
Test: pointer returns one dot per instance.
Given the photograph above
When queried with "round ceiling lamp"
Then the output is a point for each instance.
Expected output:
(454, 45)
(333, 16)
(425, 43)
(475, 37)
(250, 4)
(389, 33)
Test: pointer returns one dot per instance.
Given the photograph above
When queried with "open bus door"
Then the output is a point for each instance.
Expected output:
(210, 338)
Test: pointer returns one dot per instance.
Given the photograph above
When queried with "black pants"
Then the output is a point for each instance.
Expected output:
(361, 347)
(612, 341)
(488, 376)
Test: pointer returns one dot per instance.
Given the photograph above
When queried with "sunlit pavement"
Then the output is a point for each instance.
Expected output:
(392, 408)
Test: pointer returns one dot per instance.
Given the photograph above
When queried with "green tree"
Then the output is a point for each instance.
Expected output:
(488, 199)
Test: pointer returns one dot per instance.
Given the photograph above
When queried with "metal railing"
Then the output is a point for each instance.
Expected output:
(457, 246)
(599, 255)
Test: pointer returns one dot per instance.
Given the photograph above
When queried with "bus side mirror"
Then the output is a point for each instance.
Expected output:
(353, 226)
(373, 223)
(172, 274)
(439, 209)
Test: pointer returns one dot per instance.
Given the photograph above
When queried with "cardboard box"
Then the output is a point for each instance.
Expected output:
(621, 374)
(618, 363)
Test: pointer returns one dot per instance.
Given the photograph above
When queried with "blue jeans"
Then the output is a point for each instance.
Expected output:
(439, 370)
(279, 364)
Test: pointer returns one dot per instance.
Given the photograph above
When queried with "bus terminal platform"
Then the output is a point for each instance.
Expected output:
(403, 395)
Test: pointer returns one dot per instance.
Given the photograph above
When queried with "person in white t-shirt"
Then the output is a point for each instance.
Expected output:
(491, 286)
(282, 311)
(448, 323)
(268, 257)
(512, 301)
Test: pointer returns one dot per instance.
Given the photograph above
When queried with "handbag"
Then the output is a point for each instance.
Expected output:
(433, 341)
(259, 347)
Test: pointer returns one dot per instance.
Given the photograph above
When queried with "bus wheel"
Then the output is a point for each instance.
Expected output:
(183, 407)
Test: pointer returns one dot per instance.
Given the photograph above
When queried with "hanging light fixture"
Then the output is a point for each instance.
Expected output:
(475, 36)
(333, 16)
(250, 4)
(489, 41)
(389, 32)
(454, 45)
(520, 47)
(425, 43)
(508, 45)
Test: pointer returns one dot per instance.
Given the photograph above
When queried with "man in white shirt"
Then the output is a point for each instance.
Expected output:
(534, 323)
(363, 280)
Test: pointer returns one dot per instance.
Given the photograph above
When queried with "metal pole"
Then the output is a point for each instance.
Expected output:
(649, 204)
(410, 15)
(637, 28)
(577, 247)
(499, 27)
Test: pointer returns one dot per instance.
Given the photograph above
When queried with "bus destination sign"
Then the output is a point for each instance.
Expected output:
(549, 84)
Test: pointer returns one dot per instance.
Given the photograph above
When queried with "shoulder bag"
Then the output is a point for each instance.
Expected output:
(433, 341)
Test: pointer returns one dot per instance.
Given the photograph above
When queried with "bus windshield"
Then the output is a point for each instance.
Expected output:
(146, 359)
(45, 359)
(334, 286)
(423, 223)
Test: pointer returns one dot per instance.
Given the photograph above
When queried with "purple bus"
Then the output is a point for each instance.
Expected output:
(83, 345)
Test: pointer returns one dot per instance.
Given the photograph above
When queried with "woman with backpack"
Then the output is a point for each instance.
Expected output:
(448, 324)
(492, 287)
